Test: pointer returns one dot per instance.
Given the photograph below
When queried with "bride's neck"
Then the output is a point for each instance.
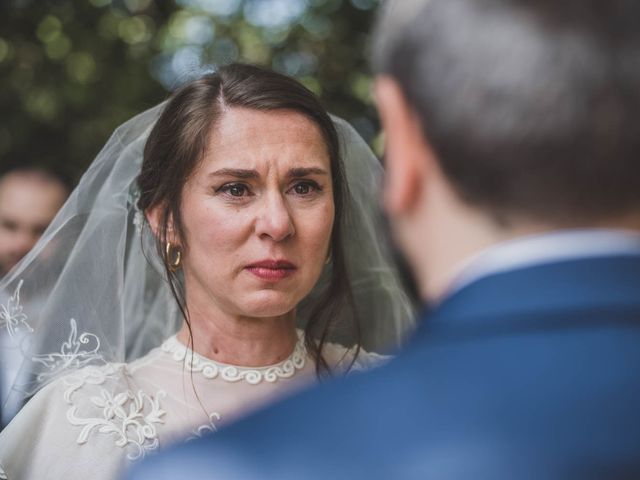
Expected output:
(237, 340)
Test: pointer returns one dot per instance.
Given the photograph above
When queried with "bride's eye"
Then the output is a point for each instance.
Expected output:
(305, 188)
(234, 189)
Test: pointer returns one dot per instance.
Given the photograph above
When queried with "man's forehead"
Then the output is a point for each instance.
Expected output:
(26, 199)
(29, 182)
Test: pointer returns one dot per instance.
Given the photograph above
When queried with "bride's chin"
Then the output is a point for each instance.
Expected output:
(269, 304)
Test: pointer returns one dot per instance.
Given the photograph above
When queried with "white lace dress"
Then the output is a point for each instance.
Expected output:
(93, 423)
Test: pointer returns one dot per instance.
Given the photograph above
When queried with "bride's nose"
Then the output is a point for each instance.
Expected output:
(274, 219)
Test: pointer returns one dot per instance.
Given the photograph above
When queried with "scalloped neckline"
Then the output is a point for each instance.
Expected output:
(211, 369)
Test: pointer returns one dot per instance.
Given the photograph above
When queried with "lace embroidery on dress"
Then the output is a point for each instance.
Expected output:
(343, 359)
(3, 474)
(72, 354)
(369, 360)
(230, 373)
(130, 417)
(78, 351)
(205, 429)
(12, 316)
(138, 217)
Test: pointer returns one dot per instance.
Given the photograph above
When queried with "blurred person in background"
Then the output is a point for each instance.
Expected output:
(30, 197)
(513, 146)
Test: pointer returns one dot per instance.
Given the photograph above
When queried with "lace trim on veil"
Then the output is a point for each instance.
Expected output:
(232, 373)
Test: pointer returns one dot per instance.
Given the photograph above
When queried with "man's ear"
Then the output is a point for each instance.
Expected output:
(154, 217)
(408, 156)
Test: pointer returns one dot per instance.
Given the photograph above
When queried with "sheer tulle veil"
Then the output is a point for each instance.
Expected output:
(92, 290)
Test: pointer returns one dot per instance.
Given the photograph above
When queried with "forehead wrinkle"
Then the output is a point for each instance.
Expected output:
(265, 155)
(258, 140)
(239, 123)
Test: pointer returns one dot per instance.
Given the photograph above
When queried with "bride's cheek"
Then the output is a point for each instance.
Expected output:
(318, 230)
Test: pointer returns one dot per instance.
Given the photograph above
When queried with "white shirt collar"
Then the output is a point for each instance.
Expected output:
(545, 248)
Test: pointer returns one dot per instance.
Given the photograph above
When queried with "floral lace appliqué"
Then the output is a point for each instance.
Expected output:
(3, 474)
(231, 373)
(368, 361)
(138, 217)
(12, 316)
(207, 428)
(132, 418)
(76, 352)
(79, 350)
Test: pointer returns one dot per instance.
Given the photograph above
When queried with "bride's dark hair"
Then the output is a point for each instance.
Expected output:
(177, 144)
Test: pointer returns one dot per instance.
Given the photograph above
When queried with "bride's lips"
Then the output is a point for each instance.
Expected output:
(272, 270)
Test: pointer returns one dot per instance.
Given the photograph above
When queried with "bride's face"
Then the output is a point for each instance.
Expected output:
(258, 214)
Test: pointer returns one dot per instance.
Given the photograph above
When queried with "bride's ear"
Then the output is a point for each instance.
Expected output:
(154, 217)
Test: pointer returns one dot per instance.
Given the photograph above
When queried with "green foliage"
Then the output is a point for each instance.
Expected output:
(72, 70)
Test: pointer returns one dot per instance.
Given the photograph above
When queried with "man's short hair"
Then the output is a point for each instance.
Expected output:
(531, 106)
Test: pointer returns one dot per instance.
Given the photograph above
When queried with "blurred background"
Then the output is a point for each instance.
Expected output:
(72, 70)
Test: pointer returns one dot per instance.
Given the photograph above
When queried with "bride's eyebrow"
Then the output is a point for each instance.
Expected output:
(235, 172)
(303, 172)
(299, 172)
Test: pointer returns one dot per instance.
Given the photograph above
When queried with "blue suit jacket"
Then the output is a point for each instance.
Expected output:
(529, 374)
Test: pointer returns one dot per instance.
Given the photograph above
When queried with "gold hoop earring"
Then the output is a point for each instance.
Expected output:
(173, 257)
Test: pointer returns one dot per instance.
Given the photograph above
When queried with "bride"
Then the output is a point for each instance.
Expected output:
(218, 254)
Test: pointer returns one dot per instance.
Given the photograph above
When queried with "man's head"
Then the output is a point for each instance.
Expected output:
(29, 199)
(517, 115)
